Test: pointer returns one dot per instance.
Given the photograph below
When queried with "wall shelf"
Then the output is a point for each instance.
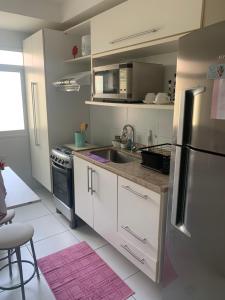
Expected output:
(81, 59)
(132, 105)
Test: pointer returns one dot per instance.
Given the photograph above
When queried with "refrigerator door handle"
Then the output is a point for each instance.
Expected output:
(186, 110)
(178, 198)
(176, 179)
(180, 127)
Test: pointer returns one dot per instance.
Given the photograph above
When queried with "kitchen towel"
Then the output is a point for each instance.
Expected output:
(78, 273)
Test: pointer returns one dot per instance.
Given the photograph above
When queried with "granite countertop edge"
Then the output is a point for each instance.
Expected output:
(159, 188)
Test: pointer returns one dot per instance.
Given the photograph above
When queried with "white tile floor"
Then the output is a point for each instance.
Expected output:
(52, 233)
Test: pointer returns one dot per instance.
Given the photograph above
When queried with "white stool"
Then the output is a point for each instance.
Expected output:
(8, 218)
(4, 221)
(13, 236)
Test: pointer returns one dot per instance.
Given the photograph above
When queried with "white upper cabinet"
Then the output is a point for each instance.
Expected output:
(135, 22)
(33, 48)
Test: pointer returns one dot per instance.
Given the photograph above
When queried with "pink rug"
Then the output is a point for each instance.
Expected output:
(78, 273)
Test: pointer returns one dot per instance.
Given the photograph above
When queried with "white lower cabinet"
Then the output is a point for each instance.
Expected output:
(140, 226)
(105, 202)
(126, 214)
(96, 197)
(83, 197)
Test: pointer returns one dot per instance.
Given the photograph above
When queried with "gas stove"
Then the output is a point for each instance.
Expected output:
(63, 156)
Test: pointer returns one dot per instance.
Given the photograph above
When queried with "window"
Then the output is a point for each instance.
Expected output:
(11, 97)
(11, 58)
(11, 102)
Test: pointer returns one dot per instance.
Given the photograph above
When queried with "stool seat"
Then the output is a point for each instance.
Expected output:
(15, 235)
(10, 215)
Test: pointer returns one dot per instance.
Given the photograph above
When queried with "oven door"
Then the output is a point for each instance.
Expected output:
(106, 82)
(62, 181)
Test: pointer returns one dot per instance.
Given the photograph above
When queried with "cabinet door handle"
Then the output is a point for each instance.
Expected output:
(141, 260)
(34, 110)
(88, 181)
(127, 228)
(128, 188)
(92, 190)
(131, 36)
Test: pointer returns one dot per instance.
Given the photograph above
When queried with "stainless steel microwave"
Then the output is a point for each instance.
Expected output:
(126, 82)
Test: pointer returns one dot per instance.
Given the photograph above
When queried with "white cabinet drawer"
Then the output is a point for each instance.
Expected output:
(134, 22)
(142, 260)
(139, 215)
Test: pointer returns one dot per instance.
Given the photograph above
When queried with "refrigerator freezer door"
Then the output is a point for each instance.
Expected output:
(197, 52)
(197, 261)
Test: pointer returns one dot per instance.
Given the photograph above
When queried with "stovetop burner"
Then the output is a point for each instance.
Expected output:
(64, 150)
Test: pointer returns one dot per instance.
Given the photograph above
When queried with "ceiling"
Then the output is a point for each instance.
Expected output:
(26, 24)
(31, 15)
(58, 1)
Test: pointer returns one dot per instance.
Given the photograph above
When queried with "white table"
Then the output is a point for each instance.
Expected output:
(18, 192)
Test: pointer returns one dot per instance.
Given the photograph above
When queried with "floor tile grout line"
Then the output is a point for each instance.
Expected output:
(100, 247)
(132, 275)
(29, 220)
(49, 236)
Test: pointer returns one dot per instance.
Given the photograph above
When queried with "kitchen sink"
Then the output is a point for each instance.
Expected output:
(113, 155)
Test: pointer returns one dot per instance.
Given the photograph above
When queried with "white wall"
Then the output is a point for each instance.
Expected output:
(106, 122)
(11, 40)
(15, 149)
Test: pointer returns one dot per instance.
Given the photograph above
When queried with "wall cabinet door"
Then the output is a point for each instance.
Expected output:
(37, 109)
(105, 202)
(134, 22)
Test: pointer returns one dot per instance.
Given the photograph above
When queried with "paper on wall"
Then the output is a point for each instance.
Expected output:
(217, 73)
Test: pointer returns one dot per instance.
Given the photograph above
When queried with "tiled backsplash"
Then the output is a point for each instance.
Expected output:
(107, 122)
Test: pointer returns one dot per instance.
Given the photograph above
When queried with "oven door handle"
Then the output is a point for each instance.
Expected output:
(58, 167)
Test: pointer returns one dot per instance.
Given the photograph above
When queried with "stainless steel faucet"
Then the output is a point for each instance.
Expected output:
(128, 131)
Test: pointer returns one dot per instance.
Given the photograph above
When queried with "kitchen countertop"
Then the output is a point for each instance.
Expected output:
(86, 147)
(133, 171)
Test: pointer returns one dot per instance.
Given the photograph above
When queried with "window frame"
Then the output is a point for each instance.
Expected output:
(21, 132)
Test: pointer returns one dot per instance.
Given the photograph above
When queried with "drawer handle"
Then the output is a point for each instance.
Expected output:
(126, 187)
(141, 260)
(127, 228)
(124, 38)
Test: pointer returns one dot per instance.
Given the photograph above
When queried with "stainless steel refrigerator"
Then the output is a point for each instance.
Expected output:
(194, 265)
